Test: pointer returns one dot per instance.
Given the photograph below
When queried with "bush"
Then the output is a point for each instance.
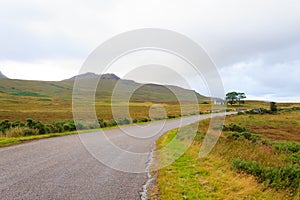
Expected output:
(295, 108)
(17, 124)
(234, 128)
(286, 177)
(30, 123)
(139, 120)
(71, 124)
(56, 127)
(123, 121)
(4, 125)
(111, 123)
(289, 147)
(273, 107)
(80, 126)
(244, 135)
(171, 116)
(40, 127)
(66, 127)
(102, 123)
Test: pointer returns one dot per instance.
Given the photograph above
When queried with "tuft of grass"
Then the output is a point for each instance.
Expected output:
(20, 132)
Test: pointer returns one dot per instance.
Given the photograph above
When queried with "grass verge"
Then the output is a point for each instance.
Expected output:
(216, 176)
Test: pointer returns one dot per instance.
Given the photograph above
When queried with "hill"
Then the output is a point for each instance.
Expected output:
(90, 75)
(2, 75)
(52, 100)
(63, 89)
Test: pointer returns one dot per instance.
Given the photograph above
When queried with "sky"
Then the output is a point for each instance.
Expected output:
(254, 44)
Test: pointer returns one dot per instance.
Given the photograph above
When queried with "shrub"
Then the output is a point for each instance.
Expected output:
(234, 128)
(56, 127)
(294, 158)
(273, 107)
(30, 123)
(40, 127)
(111, 122)
(244, 135)
(102, 123)
(123, 121)
(296, 108)
(66, 127)
(91, 125)
(286, 177)
(4, 125)
(80, 126)
(71, 124)
(138, 120)
(289, 147)
(171, 116)
(17, 124)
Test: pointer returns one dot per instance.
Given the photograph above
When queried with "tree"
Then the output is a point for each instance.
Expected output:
(273, 107)
(231, 97)
(240, 97)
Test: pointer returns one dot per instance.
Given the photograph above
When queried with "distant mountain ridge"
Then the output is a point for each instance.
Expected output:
(90, 75)
(60, 90)
(2, 75)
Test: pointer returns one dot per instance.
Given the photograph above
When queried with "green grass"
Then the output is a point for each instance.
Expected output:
(4, 142)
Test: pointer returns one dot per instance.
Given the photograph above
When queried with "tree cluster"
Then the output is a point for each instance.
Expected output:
(235, 97)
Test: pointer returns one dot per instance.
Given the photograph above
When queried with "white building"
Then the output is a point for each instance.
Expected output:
(220, 102)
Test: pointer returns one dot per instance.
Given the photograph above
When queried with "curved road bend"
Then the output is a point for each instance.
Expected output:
(62, 168)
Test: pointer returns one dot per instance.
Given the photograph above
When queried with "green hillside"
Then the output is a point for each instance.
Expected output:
(50, 100)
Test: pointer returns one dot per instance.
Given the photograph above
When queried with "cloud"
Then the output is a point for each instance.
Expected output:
(49, 70)
(256, 40)
(257, 78)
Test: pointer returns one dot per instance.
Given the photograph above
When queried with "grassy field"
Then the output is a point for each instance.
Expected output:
(52, 101)
(254, 163)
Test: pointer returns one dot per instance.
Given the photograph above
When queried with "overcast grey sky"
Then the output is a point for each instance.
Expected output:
(255, 44)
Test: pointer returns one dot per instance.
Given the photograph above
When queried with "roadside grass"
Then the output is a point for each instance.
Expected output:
(4, 141)
(214, 176)
(9, 141)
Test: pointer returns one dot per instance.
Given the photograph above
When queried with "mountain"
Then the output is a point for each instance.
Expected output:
(50, 101)
(61, 91)
(2, 75)
(90, 75)
(87, 75)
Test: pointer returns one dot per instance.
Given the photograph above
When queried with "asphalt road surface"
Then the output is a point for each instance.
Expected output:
(69, 168)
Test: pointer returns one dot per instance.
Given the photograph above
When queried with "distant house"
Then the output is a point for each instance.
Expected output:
(219, 102)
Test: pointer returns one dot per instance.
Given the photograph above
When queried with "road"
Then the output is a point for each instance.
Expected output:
(69, 168)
